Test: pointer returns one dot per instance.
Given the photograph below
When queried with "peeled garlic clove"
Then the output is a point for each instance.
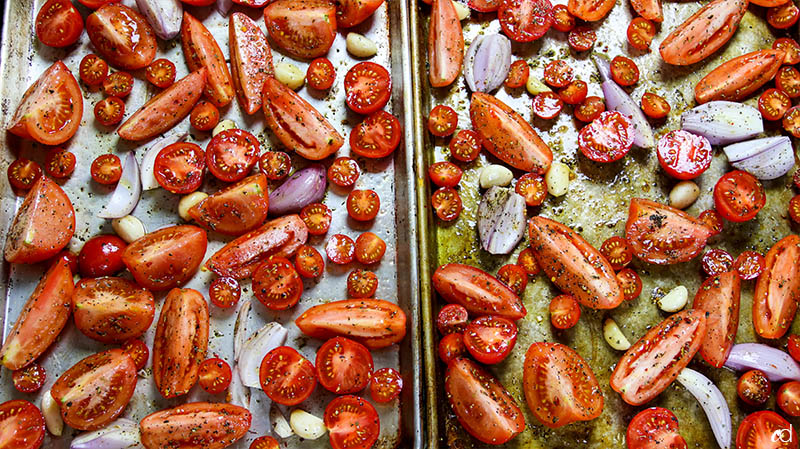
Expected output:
(462, 10)
(129, 228)
(360, 46)
(675, 300)
(52, 414)
(495, 175)
(188, 202)
(223, 126)
(614, 336)
(280, 426)
(684, 194)
(557, 179)
(290, 75)
(306, 425)
(535, 86)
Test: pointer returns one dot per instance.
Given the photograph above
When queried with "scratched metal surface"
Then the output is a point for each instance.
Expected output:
(596, 206)
(24, 59)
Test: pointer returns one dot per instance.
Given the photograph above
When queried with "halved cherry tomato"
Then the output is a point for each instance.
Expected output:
(368, 87)
(655, 106)
(630, 283)
(161, 73)
(716, 261)
(563, 20)
(514, 277)
(277, 284)
(558, 73)
(112, 310)
(749, 265)
(340, 249)
(480, 402)
(137, 350)
(343, 366)
(547, 105)
(202, 424)
(654, 428)
(204, 116)
(452, 319)
(590, 10)
(317, 218)
(201, 50)
(352, 12)
(664, 235)
(96, 390)
(794, 208)
(718, 296)
(122, 36)
(236, 209)
(465, 146)
(385, 385)
(574, 93)
(617, 251)
(773, 104)
(167, 257)
(739, 196)
(582, 38)
(783, 16)
(589, 109)
(181, 341)
(58, 23)
(29, 379)
(352, 422)
(445, 44)
(344, 171)
(653, 362)
(451, 347)
(527, 260)
(106, 169)
(442, 121)
(215, 375)
(703, 33)
(791, 121)
(372, 322)
(790, 47)
(525, 20)
(251, 60)
(517, 74)
(607, 138)
(559, 385)
(275, 165)
(736, 79)
(286, 376)
(788, 398)
(320, 74)
(23, 425)
(641, 33)
(305, 30)
(118, 84)
(774, 299)
(753, 387)
(377, 136)
(265, 442)
(447, 203)
(490, 339)
(93, 70)
(369, 248)
(308, 262)
(109, 111)
(231, 154)
(533, 188)
(445, 174)
(479, 292)
(23, 173)
(793, 346)
(787, 80)
(361, 284)
(51, 109)
(765, 429)
(224, 292)
(564, 311)
(363, 205)
(179, 167)
(713, 220)
(624, 71)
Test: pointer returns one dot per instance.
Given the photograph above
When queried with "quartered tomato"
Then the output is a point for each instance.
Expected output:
(179, 167)
(514, 277)
(517, 74)
(719, 298)
(231, 154)
(525, 20)
(777, 289)
(118, 84)
(654, 428)
(369, 248)
(445, 174)
(716, 261)
(791, 49)
(442, 121)
(308, 262)
(788, 398)
(766, 429)
(137, 350)
(224, 292)
(783, 16)
(617, 251)
(773, 104)
(377, 136)
(451, 347)
(445, 44)
(447, 203)
(166, 258)
(664, 235)
(385, 385)
(350, 13)
(201, 50)
(564, 311)
(465, 146)
(28, 380)
(343, 366)
(251, 59)
(275, 165)
(574, 93)
(703, 33)
(749, 265)
(287, 377)
(344, 171)
(320, 74)
(352, 422)
(58, 23)
(277, 284)
(787, 80)
(480, 402)
(590, 10)
(793, 346)
(641, 33)
(653, 362)
(340, 249)
(23, 173)
(582, 38)
(22, 424)
(527, 260)
(490, 339)
(204, 116)
(372, 322)
(304, 29)
(161, 73)
(215, 375)
(477, 291)
(753, 387)
(122, 36)
(106, 169)
(739, 196)
(236, 209)
(630, 283)
(624, 71)
(361, 284)
(368, 87)
(112, 310)
(547, 105)
(317, 218)
(109, 111)
(452, 319)
(93, 70)
(199, 424)
(607, 138)
(655, 106)
(589, 109)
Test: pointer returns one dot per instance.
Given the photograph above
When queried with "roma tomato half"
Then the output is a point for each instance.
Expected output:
(122, 36)
(197, 424)
(778, 289)
(251, 60)
(479, 292)
(112, 310)
(719, 298)
(236, 209)
(166, 258)
(664, 235)
(375, 323)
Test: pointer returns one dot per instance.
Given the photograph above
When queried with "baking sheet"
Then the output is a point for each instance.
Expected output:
(597, 207)
(24, 59)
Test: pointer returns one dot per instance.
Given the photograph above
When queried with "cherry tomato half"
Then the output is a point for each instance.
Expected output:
(517, 74)
(109, 111)
(369, 248)
(607, 138)
(93, 70)
(442, 121)
(344, 171)
(749, 265)
(490, 339)
(361, 284)
(276, 284)
(739, 196)
(630, 283)
(618, 252)
(317, 218)
(161, 73)
(564, 311)
(23, 173)
(275, 165)
(684, 155)
(581, 38)
(340, 249)
(773, 104)
(655, 106)
(204, 116)
(589, 109)
(106, 169)
(716, 261)
(308, 262)
(59, 163)
(547, 105)
(321, 74)
(368, 87)
(377, 136)
(641, 33)
(452, 319)
(533, 188)
(558, 73)
(753, 387)
(179, 167)
(447, 203)
(385, 385)
(215, 375)
(118, 84)
(363, 205)
(465, 146)
(445, 174)
(224, 292)
(624, 71)
(231, 154)
(29, 379)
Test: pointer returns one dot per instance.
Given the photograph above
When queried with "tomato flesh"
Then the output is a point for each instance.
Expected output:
(525, 20)
(664, 235)
(762, 429)
(23, 174)
(277, 284)
(352, 423)
(179, 167)
(275, 165)
(385, 385)
(490, 339)
(739, 196)
(236, 209)
(452, 319)
(343, 366)
(344, 171)
(231, 154)
(608, 138)
(564, 311)
(369, 248)
(58, 23)
(377, 136)
(287, 377)
(442, 121)
(368, 87)
(719, 296)
(654, 428)
(361, 283)
(22, 424)
(112, 310)
(29, 379)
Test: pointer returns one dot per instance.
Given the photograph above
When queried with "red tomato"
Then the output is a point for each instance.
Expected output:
(533, 188)
(179, 167)
(590, 109)
(654, 428)
(275, 165)
(716, 261)
(29, 379)
(202, 424)
(713, 220)
(368, 87)
(794, 208)
(563, 20)
(236, 209)
(787, 80)
(447, 203)
(224, 292)
(166, 258)
(51, 109)
(703, 33)
(112, 310)
(181, 341)
(343, 366)
(277, 284)
(201, 50)
(109, 111)
(369, 248)
(204, 116)
(118, 84)
(773, 104)
(719, 298)
(320, 74)
(308, 262)
(93, 70)
(215, 375)
(630, 283)
(58, 23)
(653, 362)
(783, 16)
(340, 249)
(23, 425)
(749, 265)
(739, 196)
(305, 29)
(161, 73)
(590, 10)
(72, 259)
(377, 136)
(465, 146)
(527, 260)
(442, 121)
(558, 73)
(452, 319)
(265, 442)
(451, 347)
(761, 429)
(34, 235)
(232, 154)
(739, 77)
(106, 169)
(477, 291)
(344, 171)
(641, 33)
(514, 277)
(198, 2)
(753, 387)
(137, 350)
(96, 390)
(251, 60)
(352, 422)
(654, 106)
(547, 105)
(774, 299)
(564, 311)
(352, 12)
(790, 47)
(624, 71)
(789, 398)
(582, 38)
(122, 36)
(385, 385)
(575, 396)
(372, 322)
(94, 4)
(793, 346)
(490, 339)
(317, 218)
(608, 138)
(517, 74)
(361, 284)
(662, 234)
(791, 121)
(287, 377)
(575, 266)
(445, 44)
(23, 174)
(574, 93)
(101, 256)
(618, 252)
(445, 174)
(525, 20)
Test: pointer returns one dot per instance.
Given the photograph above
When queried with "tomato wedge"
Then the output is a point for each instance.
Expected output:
(296, 123)
(490, 339)
(166, 258)
(304, 29)
(719, 298)
(122, 36)
(778, 289)
(479, 292)
(664, 235)
(343, 366)
(445, 44)
(198, 424)
(236, 209)
(43, 225)
(58, 23)
(352, 12)
(352, 423)
(112, 310)
(239, 258)
(648, 9)
(653, 362)
(202, 51)
(736, 79)
(42, 318)
(575, 266)
(166, 109)
(375, 323)
(705, 32)
(654, 428)
(766, 430)
(276, 284)
(590, 10)
(22, 424)
(251, 60)
(525, 20)
(482, 405)
(51, 109)
(507, 135)
(181, 341)
(287, 377)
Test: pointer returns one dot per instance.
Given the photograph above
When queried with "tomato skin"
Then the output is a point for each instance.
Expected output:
(375, 323)
(215, 375)
(718, 296)
(106, 169)
(789, 398)
(251, 60)
(305, 29)
(23, 423)
(479, 292)
(576, 267)
(112, 310)
(265, 441)
(753, 387)
(352, 422)
(777, 289)
(736, 79)
(166, 258)
(236, 209)
(42, 318)
(793, 346)
(59, 24)
(343, 366)
(739, 196)
(231, 154)
(350, 13)
(96, 390)
(138, 351)
(29, 379)
(276, 284)
(490, 339)
(33, 235)
(703, 33)
(377, 136)
(654, 428)
(122, 36)
(197, 424)
(445, 44)
(758, 429)
(202, 51)
(607, 138)
(590, 10)
(480, 402)
(286, 376)
(181, 341)
(656, 359)
(674, 238)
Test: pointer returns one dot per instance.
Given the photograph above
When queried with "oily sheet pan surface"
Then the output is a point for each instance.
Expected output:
(596, 206)
(24, 59)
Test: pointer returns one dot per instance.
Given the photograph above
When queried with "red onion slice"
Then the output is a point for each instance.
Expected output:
(224, 7)
(501, 220)
(723, 122)
(776, 364)
(767, 158)
(120, 434)
(487, 62)
(127, 193)
(713, 403)
(304, 187)
(165, 16)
